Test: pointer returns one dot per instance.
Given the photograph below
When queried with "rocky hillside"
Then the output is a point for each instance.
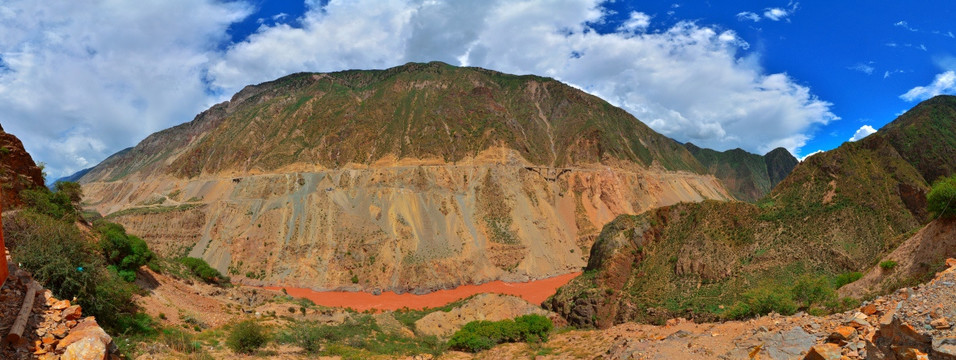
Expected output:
(748, 176)
(413, 178)
(837, 212)
(17, 170)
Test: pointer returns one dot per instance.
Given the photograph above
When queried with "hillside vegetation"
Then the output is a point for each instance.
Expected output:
(747, 176)
(431, 110)
(837, 213)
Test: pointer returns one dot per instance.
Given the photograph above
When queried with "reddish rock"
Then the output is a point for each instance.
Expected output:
(18, 171)
(940, 324)
(907, 353)
(842, 334)
(60, 305)
(951, 262)
(824, 352)
(869, 310)
(72, 313)
(85, 329)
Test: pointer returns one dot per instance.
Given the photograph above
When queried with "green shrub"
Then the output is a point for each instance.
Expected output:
(60, 258)
(941, 200)
(763, 301)
(201, 269)
(846, 278)
(56, 205)
(180, 341)
(888, 265)
(247, 337)
(483, 335)
(124, 253)
(810, 291)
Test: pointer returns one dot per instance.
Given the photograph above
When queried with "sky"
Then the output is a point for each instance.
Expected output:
(80, 81)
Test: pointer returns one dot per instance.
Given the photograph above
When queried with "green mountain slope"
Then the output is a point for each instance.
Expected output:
(837, 212)
(429, 110)
(748, 176)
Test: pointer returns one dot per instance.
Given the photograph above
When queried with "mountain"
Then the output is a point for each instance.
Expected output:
(748, 176)
(837, 212)
(414, 178)
(17, 170)
(73, 177)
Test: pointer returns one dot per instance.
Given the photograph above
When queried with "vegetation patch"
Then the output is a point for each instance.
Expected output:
(247, 337)
(483, 335)
(941, 200)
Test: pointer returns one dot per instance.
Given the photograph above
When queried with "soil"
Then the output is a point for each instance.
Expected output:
(534, 292)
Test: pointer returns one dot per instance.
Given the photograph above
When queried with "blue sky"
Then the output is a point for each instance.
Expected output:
(80, 82)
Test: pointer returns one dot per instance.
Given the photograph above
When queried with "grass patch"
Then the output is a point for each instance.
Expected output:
(483, 335)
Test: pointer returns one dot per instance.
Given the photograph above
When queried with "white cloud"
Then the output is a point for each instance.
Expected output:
(862, 132)
(807, 156)
(776, 14)
(747, 15)
(110, 85)
(85, 79)
(905, 25)
(863, 68)
(638, 22)
(944, 83)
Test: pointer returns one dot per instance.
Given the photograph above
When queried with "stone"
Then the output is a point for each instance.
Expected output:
(869, 310)
(72, 313)
(940, 324)
(60, 305)
(89, 348)
(858, 320)
(908, 353)
(88, 328)
(787, 345)
(842, 334)
(951, 262)
(824, 352)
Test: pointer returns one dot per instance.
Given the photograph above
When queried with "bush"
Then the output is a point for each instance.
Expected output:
(846, 278)
(483, 335)
(764, 301)
(55, 205)
(201, 269)
(125, 253)
(888, 265)
(60, 258)
(247, 337)
(941, 200)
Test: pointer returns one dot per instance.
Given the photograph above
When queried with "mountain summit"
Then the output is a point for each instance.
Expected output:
(413, 178)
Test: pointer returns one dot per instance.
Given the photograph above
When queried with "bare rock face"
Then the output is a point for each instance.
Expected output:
(490, 307)
(17, 170)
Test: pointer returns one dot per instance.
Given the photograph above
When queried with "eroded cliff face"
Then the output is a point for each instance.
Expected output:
(17, 170)
(409, 225)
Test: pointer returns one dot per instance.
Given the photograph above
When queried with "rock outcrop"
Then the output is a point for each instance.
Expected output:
(18, 171)
(748, 176)
(489, 307)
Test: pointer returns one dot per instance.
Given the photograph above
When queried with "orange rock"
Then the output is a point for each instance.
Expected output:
(60, 305)
(72, 313)
(951, 262)
(85, 349)
(60, 331)
(911, 354)
(48, 340)
(824, 352)
(85, 329)
(842, 334)
(869, 309)
(940, 324)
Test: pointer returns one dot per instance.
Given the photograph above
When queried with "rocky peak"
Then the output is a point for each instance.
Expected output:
(18, 171)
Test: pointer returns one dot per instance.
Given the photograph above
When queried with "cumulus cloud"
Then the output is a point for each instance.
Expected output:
(638, 22)
(944, 83)
(747, 15)
(807, 156)
(137, 74)
(83, 80)
(862, 132)
(776, 14)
